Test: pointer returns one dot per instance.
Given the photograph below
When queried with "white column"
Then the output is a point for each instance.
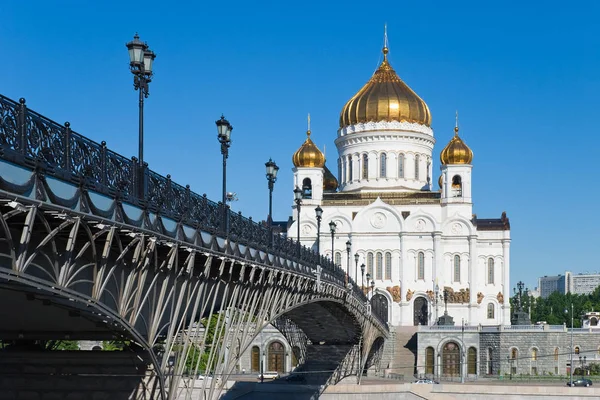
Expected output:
(403, 282)
(437, 256)
(472, 277)
(506, 281)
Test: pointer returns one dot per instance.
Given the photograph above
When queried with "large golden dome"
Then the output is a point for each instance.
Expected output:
(385, 97)
(330, 184)
(456, 152)
(308, 155)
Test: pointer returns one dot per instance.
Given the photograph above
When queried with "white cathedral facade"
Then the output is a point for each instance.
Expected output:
(413, 240)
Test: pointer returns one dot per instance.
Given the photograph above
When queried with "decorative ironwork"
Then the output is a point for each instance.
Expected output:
(31, 140)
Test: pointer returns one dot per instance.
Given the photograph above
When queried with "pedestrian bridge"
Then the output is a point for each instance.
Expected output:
(95, 246)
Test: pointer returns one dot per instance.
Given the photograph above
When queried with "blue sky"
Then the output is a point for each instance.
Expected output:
(524, 78)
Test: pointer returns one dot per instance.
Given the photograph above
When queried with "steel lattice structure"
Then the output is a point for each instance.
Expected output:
(76, 233)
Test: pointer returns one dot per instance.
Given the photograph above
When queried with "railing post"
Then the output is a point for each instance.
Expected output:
(67, 165)
(103, 162)
(135, 177)
(22, 126)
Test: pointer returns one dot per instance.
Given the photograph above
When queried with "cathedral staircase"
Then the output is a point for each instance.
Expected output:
(404, 359)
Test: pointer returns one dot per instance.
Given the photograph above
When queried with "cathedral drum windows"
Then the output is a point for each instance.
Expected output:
(388, 265)
(370, 264)
(350, 169)
(379, 274)
(365, 166)
(401, 166)
(417, 161)
(382, 165)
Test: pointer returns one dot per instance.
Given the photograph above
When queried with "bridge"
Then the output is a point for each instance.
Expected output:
(95, 246)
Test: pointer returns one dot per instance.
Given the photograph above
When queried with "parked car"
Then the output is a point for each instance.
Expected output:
(269, 375)
(296, 378)
(425, 381)
(581, 382)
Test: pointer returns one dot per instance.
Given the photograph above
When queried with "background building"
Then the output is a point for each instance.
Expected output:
(568, 283)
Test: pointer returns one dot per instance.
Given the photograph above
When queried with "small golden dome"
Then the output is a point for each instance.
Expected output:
(385, 97)
(456, 152)
(330, 184)
(308, 155)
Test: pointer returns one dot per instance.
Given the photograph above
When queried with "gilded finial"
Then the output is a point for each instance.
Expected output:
(456, 126)
(308, 131)
(385, 49)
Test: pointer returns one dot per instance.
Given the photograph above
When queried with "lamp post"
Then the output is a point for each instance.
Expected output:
(298, 200)
(272, 169)
(332, 226)
(140, 65)
(319, 215)
(462, 352)
(368, 279)
(372, 288)
(224, 129)
(362, 279)
(356, 256)
(571, 367)
(348, 249)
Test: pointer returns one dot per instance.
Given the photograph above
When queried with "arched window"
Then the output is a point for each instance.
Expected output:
(379, 266)
(421, 265)
(400, 165)
(429, 360)
(577, 349)
(490, 311)
(533, 366)
(370, 265)
(456, 186)
(255, 359)
(514, 353)
(472, 361)
(388, 265)
(534, 354)
(490, 271)
(593, 321)
(417, 167)
(382, 165)
(456, 268)
(349, 168)
(514, 359)
(556, 354)
(306, 189)
(365, 166)
(338, 258)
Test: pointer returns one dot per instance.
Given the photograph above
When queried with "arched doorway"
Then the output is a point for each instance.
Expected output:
(451, 359)
(420, 311)
(255, 359)
(276, 356)
(379, 305)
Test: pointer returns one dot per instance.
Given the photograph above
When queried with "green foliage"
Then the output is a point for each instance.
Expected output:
(115, 345)
(556, 309)
(192, 360)
(62, 345)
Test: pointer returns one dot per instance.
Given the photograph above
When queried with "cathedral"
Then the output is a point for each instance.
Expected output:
(418, 251)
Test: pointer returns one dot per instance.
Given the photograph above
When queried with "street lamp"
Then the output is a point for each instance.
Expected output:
(571, 368)
(319, 214)
(368, 279)
(372, 288)
(140, 65)
(298, 200)
(272, 169)
(356, 256)
(362, 279)
(224, 129)
(348, 249)
(332, 226)
(462, 352)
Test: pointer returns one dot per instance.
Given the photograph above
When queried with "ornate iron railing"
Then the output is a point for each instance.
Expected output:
(30, 140)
